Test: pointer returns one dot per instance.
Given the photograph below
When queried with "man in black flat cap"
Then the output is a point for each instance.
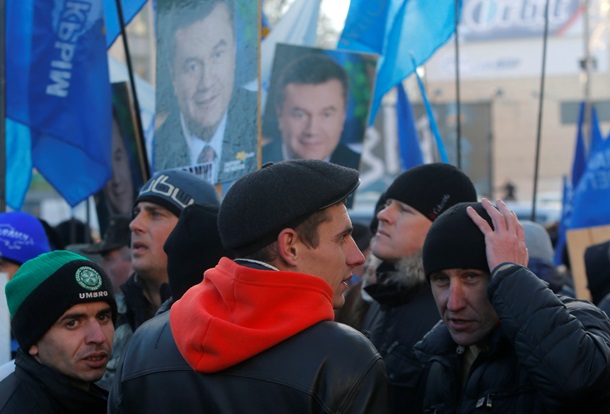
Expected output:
(256, 335)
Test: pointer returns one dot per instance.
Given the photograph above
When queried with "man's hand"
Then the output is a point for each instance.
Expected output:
(506, 241)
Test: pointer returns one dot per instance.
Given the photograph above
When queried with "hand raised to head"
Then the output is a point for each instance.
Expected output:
(505, 242)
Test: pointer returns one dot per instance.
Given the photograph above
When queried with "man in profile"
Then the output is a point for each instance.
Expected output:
(214, 124)
(310, 104)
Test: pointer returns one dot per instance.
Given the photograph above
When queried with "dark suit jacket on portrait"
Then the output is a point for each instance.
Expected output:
(239, 147)
(342, 155)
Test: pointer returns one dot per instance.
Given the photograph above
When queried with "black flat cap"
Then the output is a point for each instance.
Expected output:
(280, 195)
(117, 235)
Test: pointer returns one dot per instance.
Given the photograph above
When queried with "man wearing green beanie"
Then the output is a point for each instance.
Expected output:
(62, 311)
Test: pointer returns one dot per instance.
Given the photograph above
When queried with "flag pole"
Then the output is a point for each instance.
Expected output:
(587, 79)
(540, 104)
(457, 86)
(132, 83)
(2, 107)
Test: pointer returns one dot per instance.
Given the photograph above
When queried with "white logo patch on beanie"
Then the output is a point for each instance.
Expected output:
(88, 278)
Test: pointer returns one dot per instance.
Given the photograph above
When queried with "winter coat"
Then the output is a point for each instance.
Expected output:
(35, 388)
(402, 313)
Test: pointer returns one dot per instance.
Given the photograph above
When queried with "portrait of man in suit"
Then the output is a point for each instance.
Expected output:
(310, 104)
(212, 126)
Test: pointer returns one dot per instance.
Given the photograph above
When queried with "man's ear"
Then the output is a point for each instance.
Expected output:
(287, 246)
(33, 350)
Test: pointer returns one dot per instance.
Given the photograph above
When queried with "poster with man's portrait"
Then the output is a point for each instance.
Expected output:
(206, 96)
(128, 161)
(318, 105)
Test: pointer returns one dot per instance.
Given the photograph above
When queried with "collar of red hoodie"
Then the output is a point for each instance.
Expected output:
(238, 312)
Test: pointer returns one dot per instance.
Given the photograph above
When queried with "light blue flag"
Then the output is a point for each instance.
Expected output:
(412, 27)
(58, 87)
(365, 25)
(592, 195)
(408, 141)
(18, 163)
(440, 147)
(113, 27)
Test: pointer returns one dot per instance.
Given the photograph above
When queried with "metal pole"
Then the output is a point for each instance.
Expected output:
(132, 83)
(587, 80)
(2, 107)
(457, 86)
(540, 104)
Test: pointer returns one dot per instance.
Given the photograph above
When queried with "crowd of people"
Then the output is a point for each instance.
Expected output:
(270, 299)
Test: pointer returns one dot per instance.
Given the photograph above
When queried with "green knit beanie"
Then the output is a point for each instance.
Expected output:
(48, 285)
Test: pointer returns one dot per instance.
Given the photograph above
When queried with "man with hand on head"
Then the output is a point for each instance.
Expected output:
(256, 335)
(62, 314)
(506, 343)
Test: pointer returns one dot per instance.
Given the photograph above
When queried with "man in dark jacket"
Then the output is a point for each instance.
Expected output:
(156, 211)
(62, 312)
(256, 335)
(403, 309)
(506, 343)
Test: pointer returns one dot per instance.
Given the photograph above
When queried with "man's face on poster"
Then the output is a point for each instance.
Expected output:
(204, 69)
(311, 119)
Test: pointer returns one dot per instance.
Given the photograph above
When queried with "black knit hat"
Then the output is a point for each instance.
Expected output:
(193, 247)
(279, 195)
(48, 285)
(455, 242)
(432, 188)
(176, 189)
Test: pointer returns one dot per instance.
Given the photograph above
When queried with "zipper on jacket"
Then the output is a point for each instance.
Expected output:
(485, 402)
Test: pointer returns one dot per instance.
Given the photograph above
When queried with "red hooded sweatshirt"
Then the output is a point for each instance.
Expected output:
(238, 312)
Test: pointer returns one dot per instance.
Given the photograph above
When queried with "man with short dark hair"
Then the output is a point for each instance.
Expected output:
(62, 314)
(311, 106)
(256, 335)
(155, 214)
(506, 343)
(214, 123)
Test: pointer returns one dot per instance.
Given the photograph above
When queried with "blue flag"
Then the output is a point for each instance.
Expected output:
(592, 195)
(113, 28)
(58, 87)
(397, 30)
(408, 141)
(566, 213)
(596, 133)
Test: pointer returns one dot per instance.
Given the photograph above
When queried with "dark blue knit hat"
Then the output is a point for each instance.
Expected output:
(176, 189)
(279, 195)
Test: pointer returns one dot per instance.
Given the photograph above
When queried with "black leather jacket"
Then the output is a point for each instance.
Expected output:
(327, 368)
